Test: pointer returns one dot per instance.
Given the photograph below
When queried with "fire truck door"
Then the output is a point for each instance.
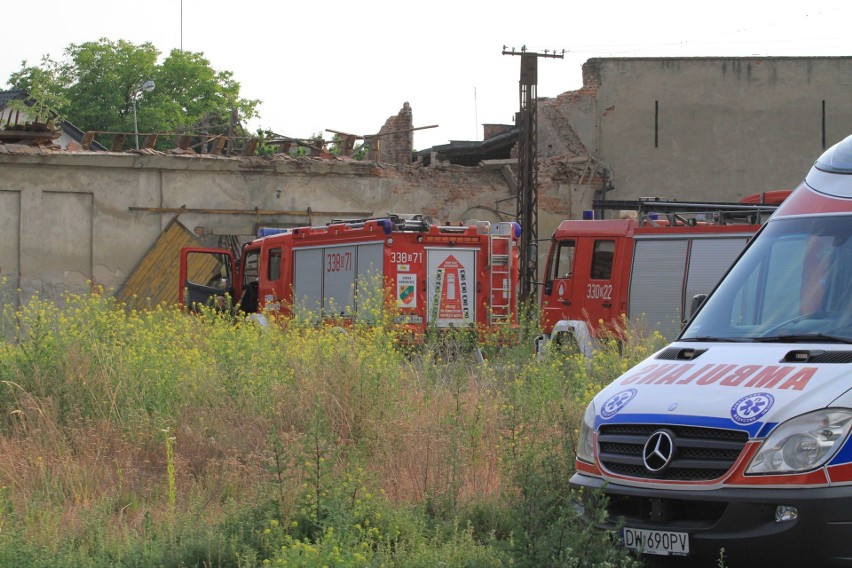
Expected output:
(250, 268)
(559, 284)
(594, 284)
(207, 277)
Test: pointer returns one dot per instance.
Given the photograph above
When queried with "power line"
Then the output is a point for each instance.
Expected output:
(527, 193)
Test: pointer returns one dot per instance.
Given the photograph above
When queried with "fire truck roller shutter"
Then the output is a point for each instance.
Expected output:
(657, 284)
(326, 278)
(338, 283)
(307, 283)
(369, 283)
(709, 259)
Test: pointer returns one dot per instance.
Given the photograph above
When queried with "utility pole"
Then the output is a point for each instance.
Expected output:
(527, 196)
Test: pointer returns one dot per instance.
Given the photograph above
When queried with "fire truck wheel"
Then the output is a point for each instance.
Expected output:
(259, 319)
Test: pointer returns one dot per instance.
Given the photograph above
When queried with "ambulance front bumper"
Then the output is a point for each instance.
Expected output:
(742, 521)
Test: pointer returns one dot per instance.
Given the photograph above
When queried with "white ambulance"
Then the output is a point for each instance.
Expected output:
(736, 436)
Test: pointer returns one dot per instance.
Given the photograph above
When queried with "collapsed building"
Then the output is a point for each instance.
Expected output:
(94, 212)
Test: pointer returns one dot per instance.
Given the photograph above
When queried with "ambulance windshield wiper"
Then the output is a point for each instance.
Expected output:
(709, 339)
(804, 338)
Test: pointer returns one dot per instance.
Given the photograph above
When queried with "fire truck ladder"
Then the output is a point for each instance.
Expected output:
(500, 268)
(399, 222)
(691, 212)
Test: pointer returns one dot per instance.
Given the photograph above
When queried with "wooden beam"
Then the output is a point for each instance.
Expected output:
(150, 140)
(86, 142)
(218, 145)
(250, 147)
(117, 143)
(259, 212)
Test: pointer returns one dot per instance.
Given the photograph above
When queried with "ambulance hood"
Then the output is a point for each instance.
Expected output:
(723, 385)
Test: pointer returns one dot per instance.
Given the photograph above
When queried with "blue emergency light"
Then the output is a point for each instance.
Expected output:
(267, 231)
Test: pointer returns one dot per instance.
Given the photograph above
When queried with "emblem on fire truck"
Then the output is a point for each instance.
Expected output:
(406, 287)
(453, 292)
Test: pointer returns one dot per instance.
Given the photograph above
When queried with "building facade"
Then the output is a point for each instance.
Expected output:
(703, 128)
(689, 129)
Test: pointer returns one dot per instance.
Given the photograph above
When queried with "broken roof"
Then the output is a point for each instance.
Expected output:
(65, 126)
(471, 153)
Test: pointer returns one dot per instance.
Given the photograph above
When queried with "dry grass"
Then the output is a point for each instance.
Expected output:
(118, 424)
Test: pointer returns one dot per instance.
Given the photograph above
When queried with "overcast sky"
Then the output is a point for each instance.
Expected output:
(348, 66)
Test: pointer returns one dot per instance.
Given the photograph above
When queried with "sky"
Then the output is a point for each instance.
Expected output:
(349, 66)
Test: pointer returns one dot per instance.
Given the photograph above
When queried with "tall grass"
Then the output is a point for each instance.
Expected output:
(161, 438)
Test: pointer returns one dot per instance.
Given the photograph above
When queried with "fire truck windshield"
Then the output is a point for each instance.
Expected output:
(791, 286)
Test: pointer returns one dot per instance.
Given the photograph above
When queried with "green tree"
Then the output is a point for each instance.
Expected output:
(38, 81)
(96, 82)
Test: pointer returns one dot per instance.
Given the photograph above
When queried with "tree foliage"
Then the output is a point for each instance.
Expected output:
(94, 86)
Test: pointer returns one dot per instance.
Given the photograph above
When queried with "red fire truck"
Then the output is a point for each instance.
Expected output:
(450, 276)
(650, 266)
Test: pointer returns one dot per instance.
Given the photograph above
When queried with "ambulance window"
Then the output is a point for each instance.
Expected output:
(562, 263)
(274, 260)
(602, 260)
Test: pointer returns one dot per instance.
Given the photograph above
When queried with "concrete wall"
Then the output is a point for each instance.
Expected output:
(68, 219)
(708, 128)
(689, 129)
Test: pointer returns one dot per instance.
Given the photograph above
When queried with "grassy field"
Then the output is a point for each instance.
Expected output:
(157, 438)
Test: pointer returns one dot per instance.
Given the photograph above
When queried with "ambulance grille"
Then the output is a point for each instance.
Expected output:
(701, 454)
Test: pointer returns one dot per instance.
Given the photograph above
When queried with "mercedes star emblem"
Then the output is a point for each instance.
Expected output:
(658, 451)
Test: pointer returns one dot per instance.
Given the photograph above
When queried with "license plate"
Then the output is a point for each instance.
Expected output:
(661, 543)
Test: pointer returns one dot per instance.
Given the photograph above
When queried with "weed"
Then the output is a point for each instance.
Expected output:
(294, 444)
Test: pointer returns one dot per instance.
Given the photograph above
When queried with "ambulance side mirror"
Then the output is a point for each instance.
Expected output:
(697, 300)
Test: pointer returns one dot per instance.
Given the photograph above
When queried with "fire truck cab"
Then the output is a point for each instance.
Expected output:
(450, 276)
(650, 265)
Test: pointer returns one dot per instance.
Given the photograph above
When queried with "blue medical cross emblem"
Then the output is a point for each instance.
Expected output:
(616, 402)
(750, 408)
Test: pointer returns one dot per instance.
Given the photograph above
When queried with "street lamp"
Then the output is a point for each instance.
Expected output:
(146, 87)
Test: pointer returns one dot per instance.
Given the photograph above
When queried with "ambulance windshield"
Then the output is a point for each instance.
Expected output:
(792, 285)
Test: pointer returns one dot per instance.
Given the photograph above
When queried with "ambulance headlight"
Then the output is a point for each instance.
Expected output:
(803, 443)
(586, 441)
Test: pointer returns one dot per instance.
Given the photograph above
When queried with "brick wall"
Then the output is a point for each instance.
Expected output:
(492, 130)
(396, 148)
